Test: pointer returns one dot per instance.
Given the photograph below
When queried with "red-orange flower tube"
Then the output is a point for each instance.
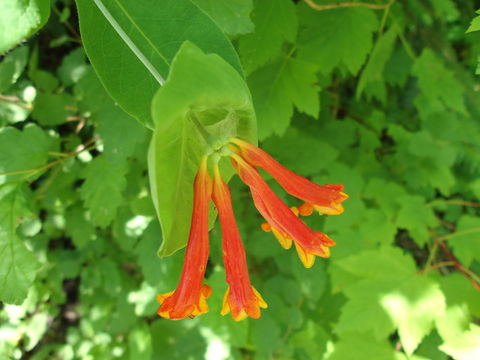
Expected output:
(326, 199)
(189, 298)
(241, 298)
(283, 221)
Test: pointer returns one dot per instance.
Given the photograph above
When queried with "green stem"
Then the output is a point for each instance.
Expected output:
(129, 42)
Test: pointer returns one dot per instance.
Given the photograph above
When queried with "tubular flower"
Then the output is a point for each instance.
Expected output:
(189, 298)
(326, 199)
(282, 221)
(241, 298)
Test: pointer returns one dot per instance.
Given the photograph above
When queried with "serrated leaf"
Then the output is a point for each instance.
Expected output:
(465, 346)
(415, 216)
(438, 86)
(20, 19)
(275, 23)
(216, 96)
(124, 76)
(102, 189)
(18, 265)
(385, 284)
(413, 308)
(373, 71)
(23, 150)
(475, 25)
(466, 246)
(344, 39)
(277, 88)
(232, 16)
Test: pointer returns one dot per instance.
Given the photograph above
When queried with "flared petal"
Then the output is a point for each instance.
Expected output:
(241, 299)
(278, 214)
(189, 298)
(326, 199)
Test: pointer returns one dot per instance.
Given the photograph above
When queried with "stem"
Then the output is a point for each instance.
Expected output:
(472, 277)
(49, 165)
(385, 16)
(129, 42)
(454, 202)
(315, 6)
(459, 233)
(436, 266)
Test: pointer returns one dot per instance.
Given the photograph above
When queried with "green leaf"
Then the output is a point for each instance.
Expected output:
(215, 95)
(232, 16)
(465, 345)
(475, 25)
(413, 308)
(140, 343)
(440, 90)
(17, 264)
(157, 31)
(361, 347)
(20, 19)
(78, 226)
(103, 188)
(416, 216)
(23, 150)
(373, 71)
(275, 22)
(384, 286)
(459, 291)
(344, 39)
(277, 88)
(286, 150)
(12, 67)
(52, 109)
(73, 67)
(466, 246)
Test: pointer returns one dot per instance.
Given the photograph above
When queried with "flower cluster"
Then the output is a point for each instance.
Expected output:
(241, 298)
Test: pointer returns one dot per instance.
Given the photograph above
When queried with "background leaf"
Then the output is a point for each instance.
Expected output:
(20, 19)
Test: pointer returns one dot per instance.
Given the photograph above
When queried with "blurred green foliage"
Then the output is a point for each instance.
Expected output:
(384, 101)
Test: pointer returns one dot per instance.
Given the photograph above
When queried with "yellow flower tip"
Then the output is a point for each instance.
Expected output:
(242, 315)
(305, 209)
(251, 310)
(327, 252)
(170, 309)
(295, 210)
(161, 297)
(261, 302)
(225, 305)
(266, 227)
(333, 209)
(345, 196)
(307, 259)
(284, 240)
(164, 314)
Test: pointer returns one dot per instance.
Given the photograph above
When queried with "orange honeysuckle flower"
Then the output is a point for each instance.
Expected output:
(189, 298)
(326, 199)
(283, 221)
(241, 298)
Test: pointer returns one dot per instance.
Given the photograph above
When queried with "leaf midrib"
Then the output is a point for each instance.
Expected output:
(135, 25)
